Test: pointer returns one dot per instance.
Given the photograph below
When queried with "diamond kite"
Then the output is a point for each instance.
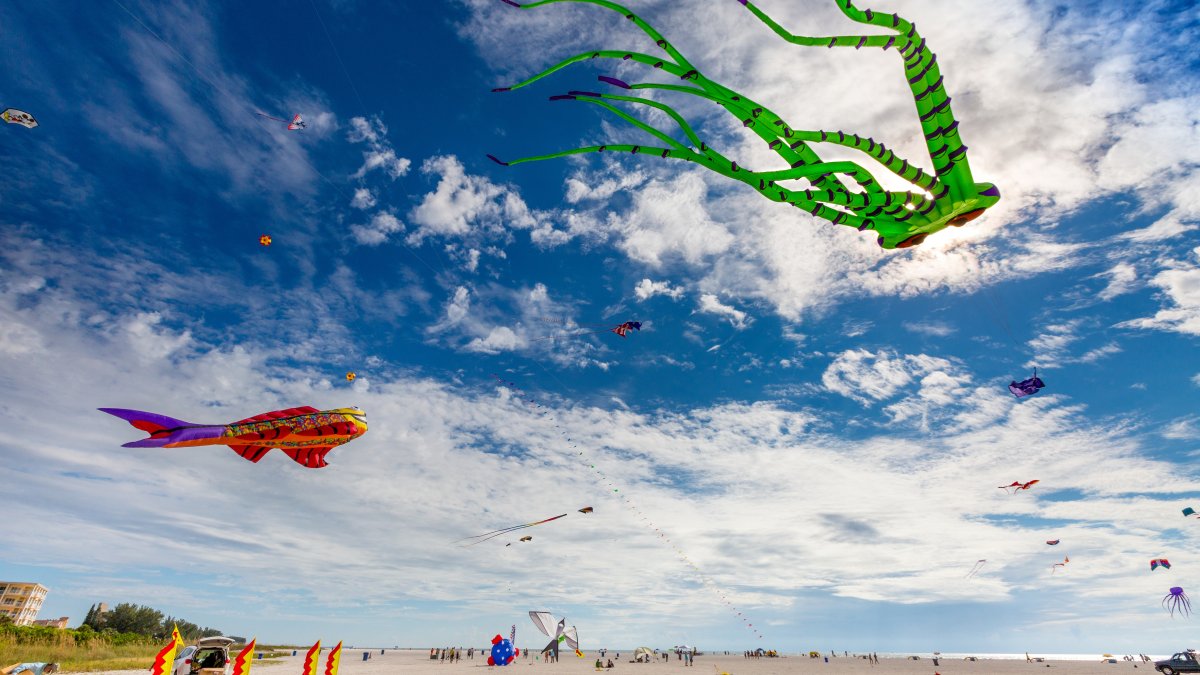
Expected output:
(1177, 600)
(305, 434)
(14, 116)
(950, 196)
(1160, 562)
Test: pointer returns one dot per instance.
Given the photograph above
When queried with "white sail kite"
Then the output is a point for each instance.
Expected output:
(557, 630)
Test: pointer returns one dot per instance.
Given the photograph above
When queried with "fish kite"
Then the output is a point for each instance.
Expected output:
(1026, 387)
(265, 240)
(558, 632)
(1160, 562)
(14, 116)
(296, 123)
(305, 434)
(1189, 511)
(1017, 486)
(1053, 542)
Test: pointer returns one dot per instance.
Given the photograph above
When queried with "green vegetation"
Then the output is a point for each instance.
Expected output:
(82, 650)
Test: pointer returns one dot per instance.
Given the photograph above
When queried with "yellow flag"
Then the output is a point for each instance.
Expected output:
(311, 658)
(241, 664)
(164, 660)
(335, 660)
(175, 635)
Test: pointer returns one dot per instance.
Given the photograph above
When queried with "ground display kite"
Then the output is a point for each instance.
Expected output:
(503, 652)
(14, 116)
(1160, 562)
(558, 632)
(305, 434)
(933, 202)
(1017, 486)
(296, 124)
(1026, 387)
(1177, 601)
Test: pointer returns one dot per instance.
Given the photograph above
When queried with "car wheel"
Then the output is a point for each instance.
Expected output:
(1167, 670)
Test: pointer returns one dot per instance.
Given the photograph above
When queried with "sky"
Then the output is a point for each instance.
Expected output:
(818, 425)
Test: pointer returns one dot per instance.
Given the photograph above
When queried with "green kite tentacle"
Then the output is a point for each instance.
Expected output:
(633, 149)
(605, 54)
(595, 98)
(637, 21)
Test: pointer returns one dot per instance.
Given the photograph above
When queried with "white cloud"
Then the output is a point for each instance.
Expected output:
(1184, 428)
(930, 328)
(499, 339)
(380, 154)
(1180, 290)
(363, 199)
(710, 304)
(381, 227)
(1121, 279)
(867, 376)
(647, 289)
(465, 206)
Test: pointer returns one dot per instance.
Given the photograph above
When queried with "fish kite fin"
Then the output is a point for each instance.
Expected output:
(280, 414)
(251, 453)
(311, 457)
(158, 426)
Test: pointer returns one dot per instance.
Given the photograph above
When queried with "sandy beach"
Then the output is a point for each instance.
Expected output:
(417, 662)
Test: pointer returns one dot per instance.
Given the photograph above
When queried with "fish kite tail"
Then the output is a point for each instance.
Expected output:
(163, 430)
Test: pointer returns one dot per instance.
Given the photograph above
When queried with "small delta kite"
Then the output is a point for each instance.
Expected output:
(1017, 486)
(296, 124)
(305, 434)
(1160, 562)
(1189, 511)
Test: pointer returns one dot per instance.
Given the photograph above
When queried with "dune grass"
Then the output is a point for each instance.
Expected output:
(84, 655)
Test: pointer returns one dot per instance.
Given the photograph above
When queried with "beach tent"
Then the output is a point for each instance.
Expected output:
(643, 654)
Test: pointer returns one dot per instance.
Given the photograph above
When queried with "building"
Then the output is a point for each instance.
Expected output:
(60, 622)
(21, 600)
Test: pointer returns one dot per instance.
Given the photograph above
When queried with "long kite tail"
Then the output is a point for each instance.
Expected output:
(162, 429)
(496, 533)
(272, 118)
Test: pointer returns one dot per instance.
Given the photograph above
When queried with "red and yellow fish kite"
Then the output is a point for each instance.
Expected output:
(305, 434)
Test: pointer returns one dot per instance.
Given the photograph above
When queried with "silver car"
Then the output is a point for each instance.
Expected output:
(209, 656)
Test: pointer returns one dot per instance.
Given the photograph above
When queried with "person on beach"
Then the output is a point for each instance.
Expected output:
(31, 668)
(610, 663)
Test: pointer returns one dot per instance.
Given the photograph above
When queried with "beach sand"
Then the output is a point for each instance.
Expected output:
(417, 662)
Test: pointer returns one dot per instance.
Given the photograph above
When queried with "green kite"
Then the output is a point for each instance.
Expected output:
(902, 219)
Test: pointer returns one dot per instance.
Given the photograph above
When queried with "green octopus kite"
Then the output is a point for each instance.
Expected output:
(902, 219)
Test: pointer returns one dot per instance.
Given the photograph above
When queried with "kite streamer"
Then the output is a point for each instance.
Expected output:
(602, 477)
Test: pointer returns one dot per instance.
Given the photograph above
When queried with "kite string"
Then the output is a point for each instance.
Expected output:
(704, 578)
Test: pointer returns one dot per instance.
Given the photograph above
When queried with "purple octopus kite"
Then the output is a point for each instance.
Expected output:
(1177, 600)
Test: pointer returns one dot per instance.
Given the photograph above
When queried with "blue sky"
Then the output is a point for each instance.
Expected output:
(819, 425)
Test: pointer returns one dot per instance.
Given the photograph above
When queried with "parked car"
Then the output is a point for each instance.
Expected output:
(1183, 662)
(209, 656)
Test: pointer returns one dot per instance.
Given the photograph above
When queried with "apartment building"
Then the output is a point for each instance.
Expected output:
(21, 600)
